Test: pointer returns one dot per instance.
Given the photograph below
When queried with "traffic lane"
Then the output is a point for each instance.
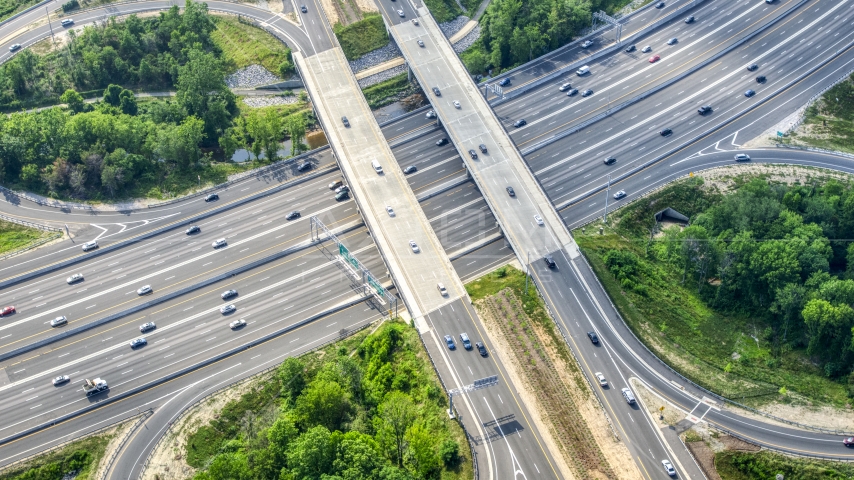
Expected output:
(466, 228)
(125, 368)
(483, 260)
(390, 11)
(445, 171)
(115, 283)
(26, 38)
(577, 318)
(109, 233)
(724, 93)
(549, 112)
(553, 61)
(317, 29)
(502, 419)
(422, 145)
(174, 394)
(407, 124)
(297, 269)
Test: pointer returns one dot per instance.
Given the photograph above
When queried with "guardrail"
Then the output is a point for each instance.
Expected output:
(31, 246)
(29, 224)
(816, 150)
(661, 86)
(186, 411)
(605, 51)
(109, 465)
(176, 224)
(707, 132)
(818, 95)
(169, 296)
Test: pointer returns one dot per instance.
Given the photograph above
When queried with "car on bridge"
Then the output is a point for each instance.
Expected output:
(539, 220)
(345, 122)
(420, 43)
(472, 154)
(74, 278)
(457, 104)
(303, 9)
(482, 148)
(437, 92)
(414, 246)
(511, 192)
(401, 14)
(138, 342)
(654, 58)
(389, 210)
(442, 290)
(7, 311)
(415, 21)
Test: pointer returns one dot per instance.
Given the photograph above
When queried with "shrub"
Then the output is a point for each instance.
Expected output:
(70, 5)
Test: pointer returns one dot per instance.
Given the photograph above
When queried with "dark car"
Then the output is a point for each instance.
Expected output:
(753, 68)
(504, 82)
(437, 92)
(593, 337)
(228, 294)
(472, 153)
(481, 349)
(212, 197)
(610, 161)
(449, 341)
(550, 262)
(749, 93)
(303, 9)
(520, 123)
(304, 166)
(631, 48)
(7, 311)
(345, 122)
(848, 442)
(482, 148)
(666, 132)
(410, 169)
(690, 19)
(587, 93)
(293, 215)
(441, 141)
(704, 109)
(511, 192)
(760, 79)
(659, 5)
(571, 92)
(193, 229)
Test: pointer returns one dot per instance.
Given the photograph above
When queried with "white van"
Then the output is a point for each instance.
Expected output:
(377, 167)
(583, 70)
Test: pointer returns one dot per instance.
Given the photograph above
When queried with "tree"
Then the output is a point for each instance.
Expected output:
(394, 417)
(111, 95)
(229, 466)
(421, 456)
(312, 454)
(357, 457)
(30, 174)
(292, 377)
(296, 127)
(273, 126)
(112, 177)
(179, 144)
(74, 101)
(829, 329)
(449, 452)
(323, 403)
(127, 102)
(201, 86)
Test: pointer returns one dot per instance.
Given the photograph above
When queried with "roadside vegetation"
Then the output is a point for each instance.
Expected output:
(361, 37)
(368, 407)
(828, 121)
(443, 10)
(243, 44)
(389, 91)
(78, 460)
(754, 299)
(549, 372)
(122, 147)
(15, 237)
(514, 32)
(11, 7)
(732, 465)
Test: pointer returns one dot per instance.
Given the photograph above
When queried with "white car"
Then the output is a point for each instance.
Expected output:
(601, 379)
(431, 114)
(14, 47)
(219, 242)
(60, 320)
(400, 12)
(66, 22)
(389, 210)
(227, 308)
(420, 43)
(61, 379)
(147, 326)
(619, 195)
(457, 104)
(143, 290)
(742, 157)
(646, 49)
(237, 324)
(228, 294)
(668, 467)
(90, 245)
(442, 290)
(587, 43)
(415, 21)
(414, 246)
(138, 342)
(74, 278)
(538, 219)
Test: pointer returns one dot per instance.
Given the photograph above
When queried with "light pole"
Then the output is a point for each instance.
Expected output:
(527, 273)
(607, 194)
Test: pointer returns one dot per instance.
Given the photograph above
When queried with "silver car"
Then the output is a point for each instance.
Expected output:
(226, 309)
(147, 326)
(74, 278)
(144, 290)
(60, 320)
(237, 324)
(414, 246)
(61, 379)
(228, 294)
(90, 245)
(218, 243)
(138, 342)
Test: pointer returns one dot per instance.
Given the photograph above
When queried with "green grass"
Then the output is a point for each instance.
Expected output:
(243, 45)
(11, 7)
(83, 455)
(15, 237)
(765, 465)
(829, 120)
(387, 92)
(361, 37)
(676, 324)
(444, 10)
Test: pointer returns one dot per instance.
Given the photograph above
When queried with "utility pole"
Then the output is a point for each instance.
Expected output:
(47, 14)
(527, 273)
(607, 194)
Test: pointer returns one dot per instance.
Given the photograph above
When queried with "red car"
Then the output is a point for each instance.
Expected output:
(654, 58)
(848, 442)
(7, 311)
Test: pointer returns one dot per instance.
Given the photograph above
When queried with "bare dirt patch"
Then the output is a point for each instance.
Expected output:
(725, 179)
(168, 459)
(563, 407)
(705, 457)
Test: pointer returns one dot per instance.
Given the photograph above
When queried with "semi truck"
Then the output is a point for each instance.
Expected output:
(94, 387)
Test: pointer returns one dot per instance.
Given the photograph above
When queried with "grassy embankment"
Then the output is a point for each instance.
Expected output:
(389, 91)
(542, 358)
(766, 465)
(726, 353)
(361, 37)
(78, 460)
(15, 237)
(829, 122)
